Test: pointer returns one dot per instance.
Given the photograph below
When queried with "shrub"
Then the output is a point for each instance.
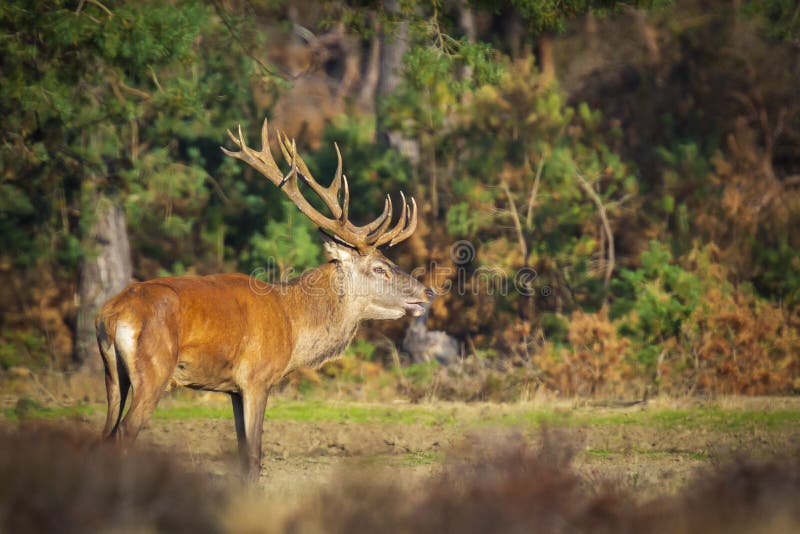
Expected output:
(56, 479)
(594, 360)
(510, 486)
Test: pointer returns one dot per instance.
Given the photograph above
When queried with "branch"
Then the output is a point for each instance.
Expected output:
(606, 226)
(221, 12)
(101, 6)
(517, 224)
(534, 190)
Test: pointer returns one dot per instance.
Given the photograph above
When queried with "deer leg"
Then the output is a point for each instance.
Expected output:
(241, 439)
(113, 394)
(117, 387)
(144, 402)
(255, 402)
(149, 373)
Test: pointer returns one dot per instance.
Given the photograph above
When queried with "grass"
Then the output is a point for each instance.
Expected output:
(607, 454)
(315, 411)
(421, 458)
(27, 408)
(711, 417)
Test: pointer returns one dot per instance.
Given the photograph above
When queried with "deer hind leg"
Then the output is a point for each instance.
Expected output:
(117, 382)
(118, 385)
(150, 360)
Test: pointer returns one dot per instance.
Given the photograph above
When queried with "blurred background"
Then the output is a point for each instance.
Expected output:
(639, 161)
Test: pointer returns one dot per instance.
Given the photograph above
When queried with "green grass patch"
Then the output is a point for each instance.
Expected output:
(316, 411)
(718, 419)
(193, 411)
(27, 408)
(421, 458)
(319, 411)
(711, 418)
(601, 453)
(606, 454)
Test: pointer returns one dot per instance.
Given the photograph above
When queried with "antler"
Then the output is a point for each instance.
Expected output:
(364, 238)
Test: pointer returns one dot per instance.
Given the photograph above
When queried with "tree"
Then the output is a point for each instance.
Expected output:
(91, 94)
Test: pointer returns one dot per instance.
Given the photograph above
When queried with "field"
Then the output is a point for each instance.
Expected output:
(313, 447)
(649, 449)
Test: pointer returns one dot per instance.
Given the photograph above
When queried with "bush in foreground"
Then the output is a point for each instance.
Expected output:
(59, 480)
(510, 487)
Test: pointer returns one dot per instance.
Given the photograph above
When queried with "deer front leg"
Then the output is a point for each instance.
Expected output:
(254, 403)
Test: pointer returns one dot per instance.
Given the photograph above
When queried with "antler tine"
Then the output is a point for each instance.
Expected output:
(234, 139)
(266, 154)
(330, 194)
(261, 161)
(381, 224)
(364, 238)
(345, 202)
(410, 227)
(289, 150)
(283, 141)
(337, 177)
(242, 143)
(265, 139)
(401, 223)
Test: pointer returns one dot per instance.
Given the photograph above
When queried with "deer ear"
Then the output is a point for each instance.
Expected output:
(336, 250)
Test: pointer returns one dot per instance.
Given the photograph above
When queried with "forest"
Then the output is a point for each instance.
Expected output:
(609, 192)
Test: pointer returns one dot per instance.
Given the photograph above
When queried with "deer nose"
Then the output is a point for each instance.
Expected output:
(429, 293)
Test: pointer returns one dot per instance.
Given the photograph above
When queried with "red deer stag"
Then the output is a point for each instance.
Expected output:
(231, 333)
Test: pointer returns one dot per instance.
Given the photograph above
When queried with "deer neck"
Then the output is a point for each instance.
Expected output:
(323, 319)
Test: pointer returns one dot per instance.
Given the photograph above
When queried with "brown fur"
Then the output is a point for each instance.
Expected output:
(231, 333)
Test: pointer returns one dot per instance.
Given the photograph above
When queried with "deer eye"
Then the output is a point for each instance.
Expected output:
(379, 270)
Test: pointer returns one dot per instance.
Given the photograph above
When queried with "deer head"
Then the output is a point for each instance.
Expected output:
(376, 287)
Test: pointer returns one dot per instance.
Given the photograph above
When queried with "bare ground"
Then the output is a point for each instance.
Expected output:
(300, 457)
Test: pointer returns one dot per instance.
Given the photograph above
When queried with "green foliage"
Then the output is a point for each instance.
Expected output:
(23, 347)
(372, 169)
(420, 375)
(363, 349)
(779, 18)
(551, 14)
(285, 248)
(79, 89)
(126, 100)
(655, 300)
(520, 138)
(433, 82)
(693, 149)
(554, 327)
(779, 273)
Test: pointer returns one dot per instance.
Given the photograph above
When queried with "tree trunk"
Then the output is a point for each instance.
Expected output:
(547, 64)
(105, 271)
(394, 45)
(372, 72)
(466, 21)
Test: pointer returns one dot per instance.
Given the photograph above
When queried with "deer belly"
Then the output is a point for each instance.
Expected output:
(210, 374)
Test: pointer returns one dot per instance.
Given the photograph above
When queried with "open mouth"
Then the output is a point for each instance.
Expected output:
(414, 309)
